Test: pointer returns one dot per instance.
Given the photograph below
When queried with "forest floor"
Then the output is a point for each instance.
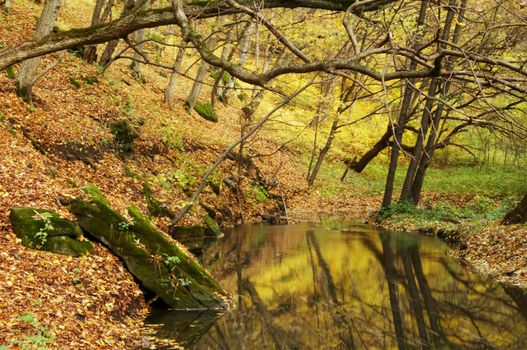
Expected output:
(65, 141)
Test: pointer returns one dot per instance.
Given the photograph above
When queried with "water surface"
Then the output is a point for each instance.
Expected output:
(303, 287)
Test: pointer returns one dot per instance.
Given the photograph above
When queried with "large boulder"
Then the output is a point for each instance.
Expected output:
(47, 230)
(161, 264)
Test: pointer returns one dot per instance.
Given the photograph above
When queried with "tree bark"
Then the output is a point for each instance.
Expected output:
(28, 69)
(106, 57)
(138, 51)
(6, 4)
(430, 303)
(98, 17)
(518, 215)
(402, 119)
(424, 162)
(388, 264)
(324, 109)
(359, 166)
(414, 300)
(433, 89)
(200, 76)
(171, 87)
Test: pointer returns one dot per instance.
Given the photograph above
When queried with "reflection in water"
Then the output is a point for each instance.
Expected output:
(298, 287)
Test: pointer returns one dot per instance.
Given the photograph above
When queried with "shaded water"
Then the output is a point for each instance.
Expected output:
(301, 287)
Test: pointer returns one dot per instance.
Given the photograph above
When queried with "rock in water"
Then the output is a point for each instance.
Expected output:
(161, 264)
(46, 230)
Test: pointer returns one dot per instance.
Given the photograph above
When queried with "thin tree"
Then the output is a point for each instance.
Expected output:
(202, 72)
(99, 16)
(398, 128)
(106, 57)
(170, 91)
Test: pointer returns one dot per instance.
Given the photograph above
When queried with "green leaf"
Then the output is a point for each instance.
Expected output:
(27, 317)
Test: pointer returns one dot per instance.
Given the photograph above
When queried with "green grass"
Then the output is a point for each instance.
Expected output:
(488, 180)
(479, 209)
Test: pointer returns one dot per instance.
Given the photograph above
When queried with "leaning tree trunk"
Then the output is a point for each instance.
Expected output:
(27, 74)
(323, 152)
(196, 88)
(360, 165)
(518, 215)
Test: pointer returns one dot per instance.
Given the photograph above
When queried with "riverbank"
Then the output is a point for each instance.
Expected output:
(469, 222)
(489, 248)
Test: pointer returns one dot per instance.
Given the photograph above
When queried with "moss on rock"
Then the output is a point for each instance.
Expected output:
(206, 111)
(46, 230)
(161, 264)
(183, 233)
(155, 208)
(124, 134)
(211, 227)
(68, 246)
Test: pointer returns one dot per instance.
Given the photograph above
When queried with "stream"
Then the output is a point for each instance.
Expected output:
(306, 287)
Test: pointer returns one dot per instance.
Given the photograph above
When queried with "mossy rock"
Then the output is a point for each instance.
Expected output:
(162, 265)
(215, 186)
(68, 246)
(206, 111)
(46, 230)
(184, 233)
(210, 211)
(155, 208)
(212, 229)
(28, 222)
(124, 134)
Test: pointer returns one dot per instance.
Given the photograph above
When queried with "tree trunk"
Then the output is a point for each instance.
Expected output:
(323, 152)
(27, 73)
(6, 4)
(244, 52)
(430, 303)
(388, 263)
(402, 119)
(518, 215)
(196, 88)
(406, 193)
(106, 57)
(414, 300)
(359, 166)
(98, 17)
(170, 91)
(138, 52)
(419, 144)
(200, 77)
(431, 144)
(218, 91)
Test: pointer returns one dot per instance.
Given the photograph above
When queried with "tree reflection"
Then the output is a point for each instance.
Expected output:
(302, 288)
